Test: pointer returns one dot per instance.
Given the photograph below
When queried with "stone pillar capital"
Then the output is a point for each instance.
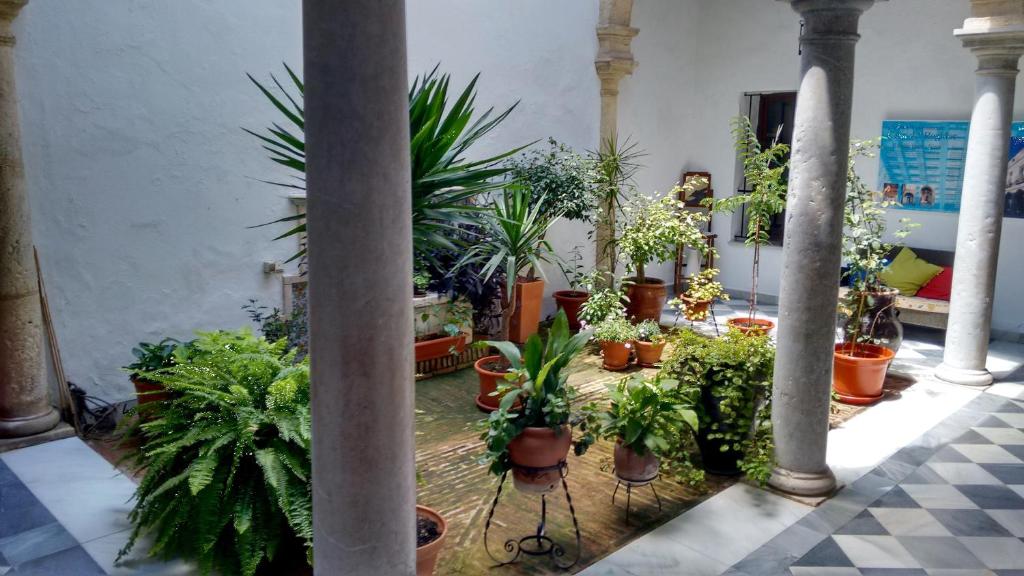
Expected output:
(611, 71)
(997, 39)
(9, 9)
(823, 7)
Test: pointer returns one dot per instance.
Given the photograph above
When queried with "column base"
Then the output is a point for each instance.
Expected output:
(28, 426)
(963, 376)
(803, 483)
(62, 431)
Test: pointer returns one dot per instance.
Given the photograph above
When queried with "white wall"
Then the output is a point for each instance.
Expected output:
(909, 67)
(142, 182)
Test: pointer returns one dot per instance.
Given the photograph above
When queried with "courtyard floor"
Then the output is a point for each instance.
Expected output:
(933, 483)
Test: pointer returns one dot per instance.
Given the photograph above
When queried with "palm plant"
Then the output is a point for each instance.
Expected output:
(614, 165)
(513, 243)
(444, 183)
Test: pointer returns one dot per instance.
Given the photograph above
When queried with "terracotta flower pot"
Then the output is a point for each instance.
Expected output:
(858, 377)
(535, 455)
(746, 326)
(633, 468)
(526, 316)
(647, 300)
(488, 382)
(616, 355)
(570, 301)
(647, 353)
(439, 347)
(426, 555)
(146, 391)
(696, 310)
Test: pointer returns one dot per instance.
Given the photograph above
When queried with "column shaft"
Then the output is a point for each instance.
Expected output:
(811, 251)
(360, 300)
(24, 402)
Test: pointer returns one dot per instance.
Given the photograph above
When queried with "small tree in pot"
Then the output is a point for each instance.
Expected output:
(701, 291)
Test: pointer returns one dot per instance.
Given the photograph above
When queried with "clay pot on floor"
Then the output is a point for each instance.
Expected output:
(648, 353)
(647, 300)
(426, 554)
(858, 372)
(146, 391)
(631, 467)
(696, 310)
(439, 347)
(571, 301)
(526, 316)
(615, 354)
(535, 455)
(748, 326)
(489, 378)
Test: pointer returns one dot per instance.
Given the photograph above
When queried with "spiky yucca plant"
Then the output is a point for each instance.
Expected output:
(227, 458)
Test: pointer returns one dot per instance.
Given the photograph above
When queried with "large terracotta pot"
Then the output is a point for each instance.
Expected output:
(571, 301)
(633, 468)
(880, 318)
(647, 300)
(858, 373)
(746, 326)
(696, 310)
(426, 555)
(439, 347)
(647, 353)
(616, 355)
(488, 383)
(526, 316)
(146, 391)
(538, 448)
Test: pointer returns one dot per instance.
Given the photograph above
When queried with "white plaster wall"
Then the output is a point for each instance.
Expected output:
(909, 66)
(142, 182)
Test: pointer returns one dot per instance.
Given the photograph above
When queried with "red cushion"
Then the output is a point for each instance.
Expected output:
(938, 288)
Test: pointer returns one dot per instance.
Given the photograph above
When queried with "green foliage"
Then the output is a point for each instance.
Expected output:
(701, 287)
(645, 413)
(227, 459)
(149, 357)
(615, 329)
(573, 269)
(275, 325)
(652, 228)
(538, 380)
(649, 331)
(604, 301)
(615, 166)
(559, 180)
(736, 370)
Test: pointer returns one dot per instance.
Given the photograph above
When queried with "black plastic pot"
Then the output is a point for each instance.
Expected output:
(714, 459)
(880, 319)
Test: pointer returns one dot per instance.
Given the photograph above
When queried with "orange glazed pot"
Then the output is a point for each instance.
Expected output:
(439, 347)
(571, 301)
(147, 392)
(633, 468)
(748, 326)
(696, 310)
(616, 355)
(535, 455)
(647, 353)
(526, 316)
(647, 300)
(858, 377)
(488, 382)
(426, 555)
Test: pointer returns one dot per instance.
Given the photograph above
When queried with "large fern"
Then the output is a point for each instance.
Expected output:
(227, 458)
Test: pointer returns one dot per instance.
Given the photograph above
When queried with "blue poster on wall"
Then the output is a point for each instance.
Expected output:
(921, 165)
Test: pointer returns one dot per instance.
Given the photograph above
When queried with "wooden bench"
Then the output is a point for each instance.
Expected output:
(922, 311)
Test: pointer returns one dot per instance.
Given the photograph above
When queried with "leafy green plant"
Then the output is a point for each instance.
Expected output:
(701, 287)
(649, 331)
(227, 458)
(150, 357)
(764, 170)
(735, 373)
(615, 329)
(652, 228)
(444, 182)
(573, 270)
(453, 317)
(537, 379)
(604, 301)
(513, 243)
(559, 180)
(275, 325)
(615, 165)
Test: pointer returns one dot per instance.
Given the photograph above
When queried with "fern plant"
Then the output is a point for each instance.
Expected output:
(227, 458)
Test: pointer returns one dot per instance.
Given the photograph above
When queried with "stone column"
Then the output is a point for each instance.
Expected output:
(24, 403)
(614, 62)
(360, 291)
(811, 252)
(995, 34)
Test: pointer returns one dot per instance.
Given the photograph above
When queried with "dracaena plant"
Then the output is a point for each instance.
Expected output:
(227, 458)
(538, 380)
(444, 181)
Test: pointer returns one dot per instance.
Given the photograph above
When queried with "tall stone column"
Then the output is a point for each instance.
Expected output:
(995, 34)
(811, 252)
(360, 292)
(24, 402)
(614, 62)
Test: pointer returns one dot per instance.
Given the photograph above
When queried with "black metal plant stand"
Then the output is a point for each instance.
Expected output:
(630, 484)
(538, 543)
(711, 316)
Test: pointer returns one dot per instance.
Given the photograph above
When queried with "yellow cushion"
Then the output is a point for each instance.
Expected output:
(908, 273)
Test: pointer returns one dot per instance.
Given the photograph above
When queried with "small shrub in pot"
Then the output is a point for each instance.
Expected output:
(615, 334)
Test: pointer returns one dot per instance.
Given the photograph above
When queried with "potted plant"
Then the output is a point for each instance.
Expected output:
(148, 359)
(651, 229)
(614, 167)
(701, 292)
(431, 530)
(764, 171)
(604, 301)
(615, 334)
(441, 326)
(871, 331)
(572, 300)
(645, 419)
(533, 440)
(733, 374)
(649, 343)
